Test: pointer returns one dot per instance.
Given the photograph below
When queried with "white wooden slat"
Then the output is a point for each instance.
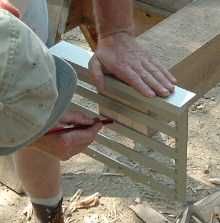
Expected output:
(135, 175)
(136, 156)
(132, 134)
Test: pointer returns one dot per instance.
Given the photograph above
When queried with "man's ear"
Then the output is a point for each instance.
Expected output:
(9, 7)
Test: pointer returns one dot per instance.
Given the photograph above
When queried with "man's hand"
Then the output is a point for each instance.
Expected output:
(9, 7)
(64, 146)
(120, 55)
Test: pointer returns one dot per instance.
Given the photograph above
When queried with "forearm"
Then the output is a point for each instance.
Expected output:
(113, 16)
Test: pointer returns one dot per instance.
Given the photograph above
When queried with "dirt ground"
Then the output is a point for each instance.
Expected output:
(118, 191)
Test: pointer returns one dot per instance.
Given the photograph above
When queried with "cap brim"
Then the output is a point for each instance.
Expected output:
(66, 85)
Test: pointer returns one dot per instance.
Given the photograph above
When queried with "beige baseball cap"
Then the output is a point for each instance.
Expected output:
(35, 87)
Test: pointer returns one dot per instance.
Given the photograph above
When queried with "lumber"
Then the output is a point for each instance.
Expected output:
(187, 43)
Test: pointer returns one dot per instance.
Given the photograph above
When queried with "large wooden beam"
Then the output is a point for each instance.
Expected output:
(188, 43)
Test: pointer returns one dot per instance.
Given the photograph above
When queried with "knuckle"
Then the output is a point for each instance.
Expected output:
(64, 157)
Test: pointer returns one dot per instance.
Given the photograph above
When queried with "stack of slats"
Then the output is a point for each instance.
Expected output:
(156, 164)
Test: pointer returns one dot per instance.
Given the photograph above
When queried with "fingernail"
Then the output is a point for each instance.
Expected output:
(165, 92)
(171, 87)
(151, 94)
(174, 80)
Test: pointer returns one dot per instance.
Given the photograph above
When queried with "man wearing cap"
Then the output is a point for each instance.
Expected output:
(40, 103)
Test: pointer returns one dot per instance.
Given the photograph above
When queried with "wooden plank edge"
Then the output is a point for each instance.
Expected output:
(136, 176)
(81, 57)
(147, 162)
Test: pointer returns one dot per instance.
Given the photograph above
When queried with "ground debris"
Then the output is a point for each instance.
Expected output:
(96, 219)
(147, 213)
(27, 213)
(215, 181)
(85, 203)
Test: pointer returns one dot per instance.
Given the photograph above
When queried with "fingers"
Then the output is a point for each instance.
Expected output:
(167, 74)
(7, 6)
(159, 76)
(158, 80)
(76, 117)
(95, 68)
(134, 80)
(81, 137)
(65, 146)
(158, 88)
(75, 142)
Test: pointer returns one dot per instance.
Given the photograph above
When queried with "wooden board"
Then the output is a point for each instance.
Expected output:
(144, 20)
(121, 92)
(187, 43)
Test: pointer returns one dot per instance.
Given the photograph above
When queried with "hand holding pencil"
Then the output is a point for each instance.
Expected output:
(73, 133)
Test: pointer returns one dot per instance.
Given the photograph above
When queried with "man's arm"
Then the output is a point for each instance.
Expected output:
(119, 54)
(113, 16)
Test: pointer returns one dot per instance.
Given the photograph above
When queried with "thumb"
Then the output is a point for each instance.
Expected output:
(9, 7)
(95, 68)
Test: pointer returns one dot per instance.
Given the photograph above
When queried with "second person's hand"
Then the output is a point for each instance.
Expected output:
(121, 56)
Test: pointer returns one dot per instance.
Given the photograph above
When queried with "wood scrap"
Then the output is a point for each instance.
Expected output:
(185, 216)
(196, 220)
(138, 200)
(85, 203)
(147, 213)
(215, 216)
(27, 213)
(129, 216)
(215, 181)
(76, 196)
(207, 209)
(113, 174)
(91, 219)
